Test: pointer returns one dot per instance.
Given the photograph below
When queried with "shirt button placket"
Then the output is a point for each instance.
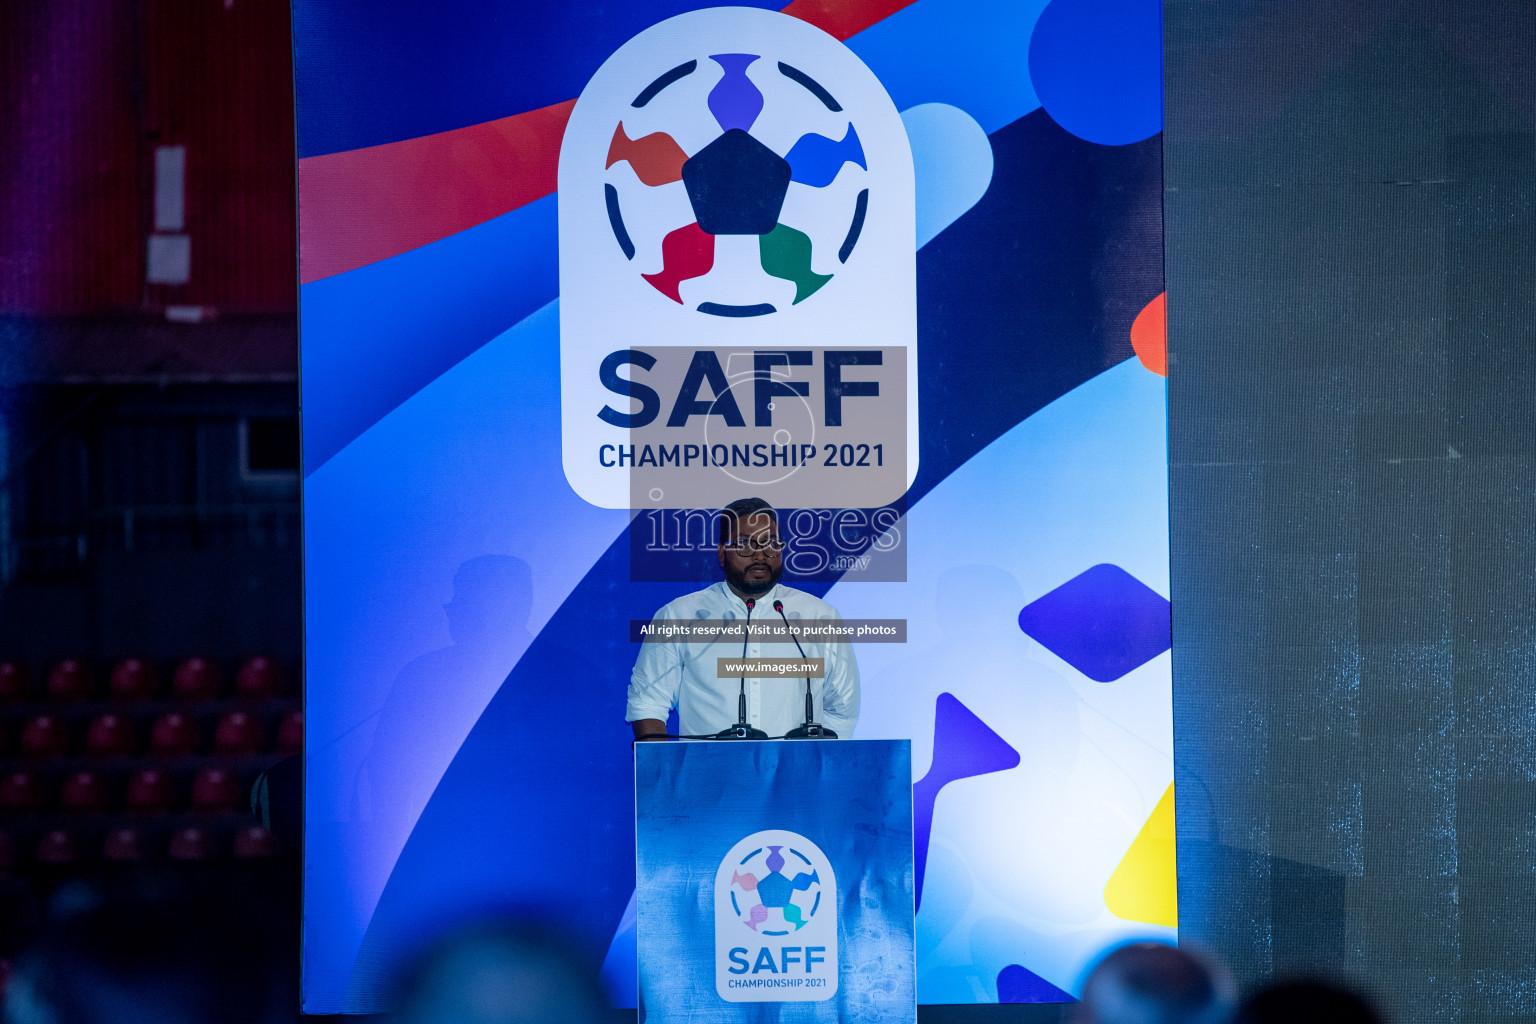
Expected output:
(757, 691)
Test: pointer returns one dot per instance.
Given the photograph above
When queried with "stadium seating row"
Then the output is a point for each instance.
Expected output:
(136, 679)
(212, 790)
(65, 848)
(172, 734)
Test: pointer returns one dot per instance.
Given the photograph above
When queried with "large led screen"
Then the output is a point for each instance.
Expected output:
(574, 276)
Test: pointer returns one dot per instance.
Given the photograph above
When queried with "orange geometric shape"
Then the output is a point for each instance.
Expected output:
(656, 158)
(1145, 887)
(1149, 335)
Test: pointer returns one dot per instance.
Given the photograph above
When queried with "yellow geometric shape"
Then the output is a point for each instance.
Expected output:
(1145, 887)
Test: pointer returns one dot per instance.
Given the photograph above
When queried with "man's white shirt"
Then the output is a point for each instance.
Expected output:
(683, 675)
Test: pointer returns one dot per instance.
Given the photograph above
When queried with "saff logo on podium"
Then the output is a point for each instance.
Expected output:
(815, 914)
(775, 921)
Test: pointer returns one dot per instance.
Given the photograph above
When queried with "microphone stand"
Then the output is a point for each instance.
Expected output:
(742, 730)
(811, 730)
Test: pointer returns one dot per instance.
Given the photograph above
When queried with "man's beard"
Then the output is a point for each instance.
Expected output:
(758, 589)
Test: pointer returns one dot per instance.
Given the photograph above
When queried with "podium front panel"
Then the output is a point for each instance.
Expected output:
(774, 881)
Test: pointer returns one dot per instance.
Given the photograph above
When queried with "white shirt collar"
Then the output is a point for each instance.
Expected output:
(740, 605)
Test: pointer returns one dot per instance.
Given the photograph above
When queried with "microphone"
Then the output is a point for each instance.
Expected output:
(811, 730)
(742, 730)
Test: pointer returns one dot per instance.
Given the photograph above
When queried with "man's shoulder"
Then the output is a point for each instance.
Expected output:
(683, 607)
(807, 604)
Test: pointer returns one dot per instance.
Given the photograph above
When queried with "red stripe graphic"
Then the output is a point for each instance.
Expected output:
(844, 18)
(366, 205)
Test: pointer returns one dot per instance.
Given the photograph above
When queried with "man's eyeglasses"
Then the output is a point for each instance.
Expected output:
(754, 545)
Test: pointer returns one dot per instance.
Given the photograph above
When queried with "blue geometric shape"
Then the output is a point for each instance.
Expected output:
(972, 51)
(963, 746)
(1097, 66)
(952, 164)
(1016, 984)
(814, 160)
(734, 100)
(1104, 622)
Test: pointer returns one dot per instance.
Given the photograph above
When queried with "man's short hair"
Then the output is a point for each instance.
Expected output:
(739, 510)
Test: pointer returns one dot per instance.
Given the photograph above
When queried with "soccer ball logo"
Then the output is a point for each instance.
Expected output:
(767, 899)
(736, 185)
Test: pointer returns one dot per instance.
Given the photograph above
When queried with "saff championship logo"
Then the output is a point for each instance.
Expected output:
(735, 201)
(767, 895)
(775, 921)
(737, 185)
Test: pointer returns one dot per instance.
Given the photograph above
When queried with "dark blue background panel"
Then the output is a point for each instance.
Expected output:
(404, 68)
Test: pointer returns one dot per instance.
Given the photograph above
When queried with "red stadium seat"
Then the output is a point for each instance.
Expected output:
(150, 791)
(290, 733)
(259, 676)
(173, 735)
(70, 679)
(109, 735)
(20, 792)
(190, 844)
(83, 793)
(123, 844)
(56, 847)
(237, 733)
(132, 679)
(42, 736)
(254, 843)
(215, 790)
(196, 679)
(13, 681)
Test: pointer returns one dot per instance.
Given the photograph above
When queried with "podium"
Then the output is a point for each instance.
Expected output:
(774, 881)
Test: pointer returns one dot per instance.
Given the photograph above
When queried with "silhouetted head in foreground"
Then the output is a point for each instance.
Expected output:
(501, 974)
(1149, 983)
(1316, 1002)
(149, 954)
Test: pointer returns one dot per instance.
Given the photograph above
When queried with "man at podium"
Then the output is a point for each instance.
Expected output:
(686, 675)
